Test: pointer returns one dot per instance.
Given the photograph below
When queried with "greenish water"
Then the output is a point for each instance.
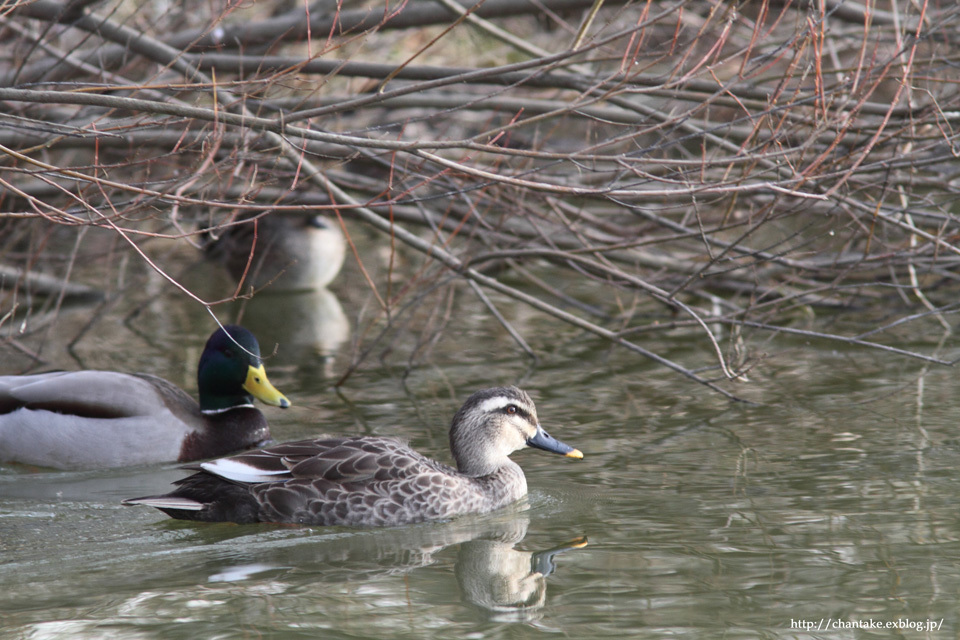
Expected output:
(834, 499)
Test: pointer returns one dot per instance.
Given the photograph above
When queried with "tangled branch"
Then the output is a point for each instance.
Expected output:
(687, 167)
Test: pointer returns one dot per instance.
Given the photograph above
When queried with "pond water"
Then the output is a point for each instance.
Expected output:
(833, 500)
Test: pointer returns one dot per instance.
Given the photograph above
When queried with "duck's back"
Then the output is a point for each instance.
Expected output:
(86, 419)
(363, 481)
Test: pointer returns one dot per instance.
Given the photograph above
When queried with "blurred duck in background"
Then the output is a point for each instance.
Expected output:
(281, 252)
(287, 261)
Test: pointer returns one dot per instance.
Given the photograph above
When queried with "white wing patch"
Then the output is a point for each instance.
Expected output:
(238, 471)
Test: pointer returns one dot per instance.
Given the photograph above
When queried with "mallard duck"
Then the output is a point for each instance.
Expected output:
(97, 419)
(371, 481)
(288, 252)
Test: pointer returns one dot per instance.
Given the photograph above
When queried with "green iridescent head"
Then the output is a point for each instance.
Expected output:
(231, 373)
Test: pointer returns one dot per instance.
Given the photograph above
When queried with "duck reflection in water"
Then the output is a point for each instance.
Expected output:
(508, 584)
(503, 583)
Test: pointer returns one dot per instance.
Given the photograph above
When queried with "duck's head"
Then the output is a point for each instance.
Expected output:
(494, 423)
(231, 373)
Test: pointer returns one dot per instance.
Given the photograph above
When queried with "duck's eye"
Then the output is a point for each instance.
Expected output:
(512, 409)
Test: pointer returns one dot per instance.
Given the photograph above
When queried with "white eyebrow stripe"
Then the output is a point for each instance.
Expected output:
(491, 405)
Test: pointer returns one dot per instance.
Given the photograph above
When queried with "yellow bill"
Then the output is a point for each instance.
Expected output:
(260, 388)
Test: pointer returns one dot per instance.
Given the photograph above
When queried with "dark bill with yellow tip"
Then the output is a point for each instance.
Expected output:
(543, 440)
(260, 388)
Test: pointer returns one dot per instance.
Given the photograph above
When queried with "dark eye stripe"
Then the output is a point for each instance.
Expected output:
(520, 411)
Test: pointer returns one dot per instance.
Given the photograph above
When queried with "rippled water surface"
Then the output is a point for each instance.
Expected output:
(835, 498)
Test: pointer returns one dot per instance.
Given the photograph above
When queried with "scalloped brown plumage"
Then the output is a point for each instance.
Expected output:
(370, 481)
